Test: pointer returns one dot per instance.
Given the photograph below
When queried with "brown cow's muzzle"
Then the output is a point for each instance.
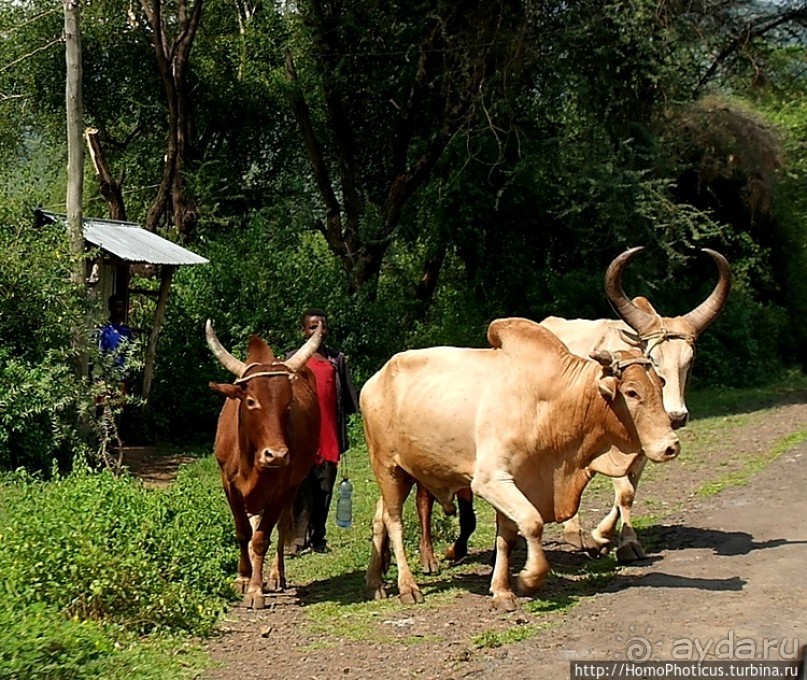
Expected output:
(273, 458)
(664, 449)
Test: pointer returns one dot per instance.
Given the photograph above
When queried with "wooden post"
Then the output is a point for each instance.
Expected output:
(166, 276)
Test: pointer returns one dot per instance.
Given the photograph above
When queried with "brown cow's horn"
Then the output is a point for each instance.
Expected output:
(305, 352)
(227, 360)
(637, 319)
(707, 311)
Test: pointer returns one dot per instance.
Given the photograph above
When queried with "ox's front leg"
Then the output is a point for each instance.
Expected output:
(261, 529)
(285, 529)
(498, 488)
(503, 595)
(628, 547)
(243, 532)
(425, 502)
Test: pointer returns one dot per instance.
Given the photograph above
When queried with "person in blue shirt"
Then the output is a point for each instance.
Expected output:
(114, 335)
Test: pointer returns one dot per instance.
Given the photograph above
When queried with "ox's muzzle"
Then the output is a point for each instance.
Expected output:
(678, 419)
(665, 449)
(273, 458)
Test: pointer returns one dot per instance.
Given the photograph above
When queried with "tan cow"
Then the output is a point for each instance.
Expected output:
(519, 423)
(669, 342)
(266, 443)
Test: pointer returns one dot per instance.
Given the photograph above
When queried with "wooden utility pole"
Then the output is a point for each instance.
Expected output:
(75, 162)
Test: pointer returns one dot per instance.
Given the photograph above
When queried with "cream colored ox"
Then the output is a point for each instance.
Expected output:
(669, 342)
(520, 424)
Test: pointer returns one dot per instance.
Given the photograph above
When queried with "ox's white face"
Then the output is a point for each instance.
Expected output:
(672, 359)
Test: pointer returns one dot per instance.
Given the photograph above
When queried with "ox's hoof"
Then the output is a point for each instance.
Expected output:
(275, 585)
(378, 593)
(592, 545)
(456, 553)
(414, 596)
(429, 565)
(240, 585)
(631, 551)
(506, 602)
(254, 601)
(529, 584)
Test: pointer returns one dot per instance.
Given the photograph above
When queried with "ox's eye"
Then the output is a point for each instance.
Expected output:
(252, 402)
(631, 393)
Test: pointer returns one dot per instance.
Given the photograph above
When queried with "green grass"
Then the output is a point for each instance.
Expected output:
(189, 525)
(751, 467)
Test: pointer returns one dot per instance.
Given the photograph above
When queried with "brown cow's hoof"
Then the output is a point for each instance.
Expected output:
(430, 565)
(240, 585)
(276, 585)
(376, 593)
(506, 602)
(255, 601)
(414, 596)
(630, 552)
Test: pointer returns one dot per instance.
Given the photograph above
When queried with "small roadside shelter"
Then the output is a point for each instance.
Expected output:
(114, 249)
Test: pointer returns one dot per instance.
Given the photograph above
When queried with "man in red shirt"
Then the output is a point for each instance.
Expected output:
(337, 400)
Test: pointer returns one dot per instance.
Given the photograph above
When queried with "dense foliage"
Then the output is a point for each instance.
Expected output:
(416, 170)
(91, 562)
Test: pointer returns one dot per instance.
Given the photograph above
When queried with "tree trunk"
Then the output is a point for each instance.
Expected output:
(75, 166)
(111, 188)
(166, 275)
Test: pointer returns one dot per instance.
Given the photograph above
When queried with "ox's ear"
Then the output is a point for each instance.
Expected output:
(607, 382)
(227, 389)
(608, 385)
(644, 304)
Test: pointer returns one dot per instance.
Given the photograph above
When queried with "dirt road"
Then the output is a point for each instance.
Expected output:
(726, 576)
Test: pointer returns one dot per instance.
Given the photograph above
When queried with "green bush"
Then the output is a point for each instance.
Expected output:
(92, 547)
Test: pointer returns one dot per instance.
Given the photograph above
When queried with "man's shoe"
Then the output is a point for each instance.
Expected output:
(320, 547)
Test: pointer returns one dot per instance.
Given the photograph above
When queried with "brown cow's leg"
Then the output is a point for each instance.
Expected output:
(277, 572)
(425, 501)
(243, 532)
(262, 529)
(503, 595)
(374, 578)
(465, 503)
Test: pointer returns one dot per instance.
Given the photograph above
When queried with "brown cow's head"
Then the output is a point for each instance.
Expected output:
(630, 383)
(669, 342)
(263, 388)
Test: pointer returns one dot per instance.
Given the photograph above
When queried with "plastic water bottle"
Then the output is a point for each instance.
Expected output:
(344, 504)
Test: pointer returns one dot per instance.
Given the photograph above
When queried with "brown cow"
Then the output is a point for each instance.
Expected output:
(266, 443)
(669, 342)
(519, 424)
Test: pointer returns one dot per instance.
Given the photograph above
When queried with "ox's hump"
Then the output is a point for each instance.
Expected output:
(519, 336)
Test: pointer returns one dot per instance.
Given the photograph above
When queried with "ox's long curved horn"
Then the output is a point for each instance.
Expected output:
(305, 352)
(707, 311)
(227, 360)
(637, 319)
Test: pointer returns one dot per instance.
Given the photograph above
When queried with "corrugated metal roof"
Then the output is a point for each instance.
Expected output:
(131, 243)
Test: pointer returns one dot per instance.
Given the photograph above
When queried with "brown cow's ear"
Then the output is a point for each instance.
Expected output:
(608, 384)
(227, 389)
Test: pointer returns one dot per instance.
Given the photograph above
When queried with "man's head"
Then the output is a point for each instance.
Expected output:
(311, 319)
(117, 307)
